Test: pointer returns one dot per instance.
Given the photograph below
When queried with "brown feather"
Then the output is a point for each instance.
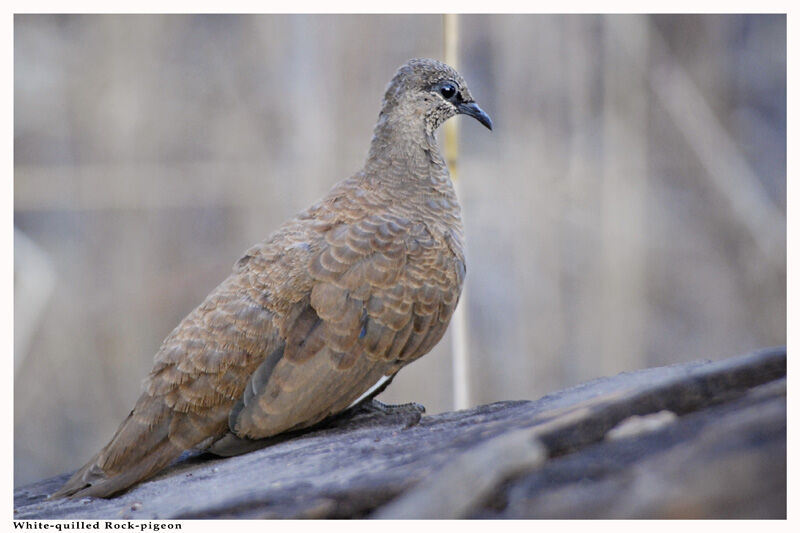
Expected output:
(346, 292)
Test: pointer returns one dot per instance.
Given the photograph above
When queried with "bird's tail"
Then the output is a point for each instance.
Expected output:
(140, 448)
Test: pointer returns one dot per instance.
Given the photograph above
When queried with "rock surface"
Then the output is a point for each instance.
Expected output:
(696, 440)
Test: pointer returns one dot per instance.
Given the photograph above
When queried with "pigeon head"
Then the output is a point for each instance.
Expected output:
(433, 91)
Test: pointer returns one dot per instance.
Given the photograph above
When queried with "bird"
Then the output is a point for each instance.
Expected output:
(332, 304)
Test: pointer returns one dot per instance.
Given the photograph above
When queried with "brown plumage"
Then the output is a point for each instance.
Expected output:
(348, 291)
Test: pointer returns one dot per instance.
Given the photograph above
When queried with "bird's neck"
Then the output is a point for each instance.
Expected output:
(406, 169)
(405, 153)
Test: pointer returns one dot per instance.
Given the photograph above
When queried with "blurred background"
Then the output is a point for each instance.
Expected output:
(627, 211)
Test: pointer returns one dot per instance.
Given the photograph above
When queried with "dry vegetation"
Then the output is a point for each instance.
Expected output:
(627, 211)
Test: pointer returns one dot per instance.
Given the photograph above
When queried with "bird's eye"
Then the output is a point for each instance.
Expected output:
(448, 91)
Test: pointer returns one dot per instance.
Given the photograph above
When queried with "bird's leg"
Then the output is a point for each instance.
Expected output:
(411, 412)
(375, 406)
(370, 407)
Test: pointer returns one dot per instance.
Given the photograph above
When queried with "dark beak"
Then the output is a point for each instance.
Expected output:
(472, 109)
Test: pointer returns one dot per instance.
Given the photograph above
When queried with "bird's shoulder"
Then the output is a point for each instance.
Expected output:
(357, 215)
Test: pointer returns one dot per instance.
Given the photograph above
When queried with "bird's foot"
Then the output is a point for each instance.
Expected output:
(377, 406)
(372, 410)
(410, 412)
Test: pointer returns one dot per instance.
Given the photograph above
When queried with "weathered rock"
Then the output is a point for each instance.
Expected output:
(697, 440)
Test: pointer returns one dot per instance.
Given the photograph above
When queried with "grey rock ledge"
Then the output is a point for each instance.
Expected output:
(696, 440)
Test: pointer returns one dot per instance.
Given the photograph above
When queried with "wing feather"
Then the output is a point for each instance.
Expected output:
(381, 294)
